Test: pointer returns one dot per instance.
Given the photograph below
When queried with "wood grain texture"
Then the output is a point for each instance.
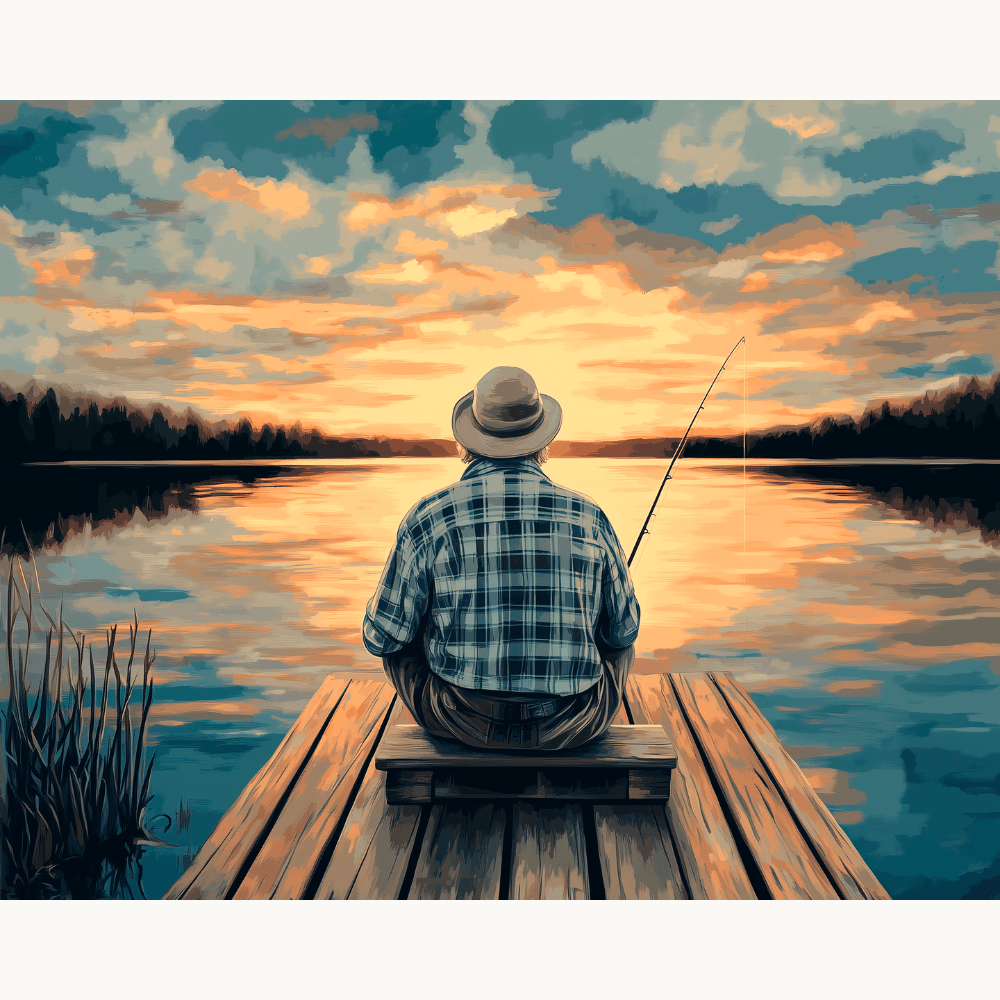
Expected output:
(649, 786)
(700, 831)
(852, 876)
(373, 850)
(786, 860)
(211, 873)
(549, 858)
(289, 855)
(461, 854)
(405, 786)
(410, 747)
(609, 784)
(637, 854)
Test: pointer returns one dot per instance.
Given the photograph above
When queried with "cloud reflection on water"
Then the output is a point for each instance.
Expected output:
(854, 616)
(768, 577)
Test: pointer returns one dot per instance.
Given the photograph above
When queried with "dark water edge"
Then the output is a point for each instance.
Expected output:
(53, 501)
(941, 492)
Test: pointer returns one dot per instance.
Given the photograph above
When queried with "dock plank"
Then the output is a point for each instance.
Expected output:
(373, 850)
(853, 877)
(637, 854)
(235, 836)
(631, 747)
(549, 858)
(700, 831)
(786, 860)
(461, 853)
(289, 855)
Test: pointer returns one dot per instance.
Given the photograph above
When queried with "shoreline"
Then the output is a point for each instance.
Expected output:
(372, 460)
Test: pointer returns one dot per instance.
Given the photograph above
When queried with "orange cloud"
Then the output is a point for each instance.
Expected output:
(463, 210)
(409, 242)
(882, 312)
(805, 127)
(65, 270)
(808, 238)
(286, 200)
(824, 250)
(756, 281)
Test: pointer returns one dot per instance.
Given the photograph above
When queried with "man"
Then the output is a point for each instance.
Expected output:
(505, 616)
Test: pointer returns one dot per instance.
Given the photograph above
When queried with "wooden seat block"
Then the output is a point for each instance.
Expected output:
(627, 763)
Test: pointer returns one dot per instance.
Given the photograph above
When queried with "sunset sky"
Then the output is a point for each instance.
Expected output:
(357, 266)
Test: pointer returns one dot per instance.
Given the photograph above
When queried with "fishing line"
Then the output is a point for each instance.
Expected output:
(746, 602)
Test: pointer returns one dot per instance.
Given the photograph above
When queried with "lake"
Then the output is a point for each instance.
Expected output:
(857, 603)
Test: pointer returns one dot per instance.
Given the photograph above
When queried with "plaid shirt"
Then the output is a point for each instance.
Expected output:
(516, 578)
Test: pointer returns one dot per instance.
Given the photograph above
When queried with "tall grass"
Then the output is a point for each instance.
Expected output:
(74, 786)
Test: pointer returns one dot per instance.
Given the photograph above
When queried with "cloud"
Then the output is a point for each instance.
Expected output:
(795, 186)
(149, 139)
(676, 145)
(464, 210)
(805, 127)
(24, 348)
(723, 226)
(285, 201)
(368, 285)
(92, 206)
(329, 129)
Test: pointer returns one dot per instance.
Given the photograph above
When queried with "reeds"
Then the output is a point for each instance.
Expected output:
(74, 784)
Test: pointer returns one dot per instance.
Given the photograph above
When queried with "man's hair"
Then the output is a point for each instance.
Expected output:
(541, 457)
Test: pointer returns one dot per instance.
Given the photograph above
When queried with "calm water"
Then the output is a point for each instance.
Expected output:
(858, 603)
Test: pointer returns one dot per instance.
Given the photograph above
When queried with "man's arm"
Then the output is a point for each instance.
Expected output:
(395, 611)
(618, 625)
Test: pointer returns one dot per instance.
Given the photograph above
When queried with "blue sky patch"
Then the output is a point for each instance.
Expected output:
(963, 269)
(972, 365)
(893, 156)
(523, 128)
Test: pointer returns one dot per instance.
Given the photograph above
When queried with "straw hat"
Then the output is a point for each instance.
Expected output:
(505, 416)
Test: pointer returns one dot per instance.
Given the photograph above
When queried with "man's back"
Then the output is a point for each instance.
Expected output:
(514, 579)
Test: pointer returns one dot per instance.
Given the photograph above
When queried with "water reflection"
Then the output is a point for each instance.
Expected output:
(50, 502)
(956, 495)
(858, 604)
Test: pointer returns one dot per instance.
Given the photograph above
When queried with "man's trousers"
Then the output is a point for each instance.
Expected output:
(504, 721)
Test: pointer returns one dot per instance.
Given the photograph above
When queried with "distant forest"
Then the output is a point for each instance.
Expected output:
(960, 423)
(37, 430)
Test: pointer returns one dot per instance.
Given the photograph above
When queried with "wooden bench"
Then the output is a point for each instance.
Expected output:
(627, 764)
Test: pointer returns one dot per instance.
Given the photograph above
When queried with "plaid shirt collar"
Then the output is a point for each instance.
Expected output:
(484, 466)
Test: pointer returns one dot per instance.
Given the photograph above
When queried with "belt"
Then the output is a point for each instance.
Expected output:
(503, 710)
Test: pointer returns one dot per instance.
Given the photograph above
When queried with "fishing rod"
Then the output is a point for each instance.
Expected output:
(677, 452)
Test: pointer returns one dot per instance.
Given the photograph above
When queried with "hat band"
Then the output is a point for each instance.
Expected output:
(516, 432)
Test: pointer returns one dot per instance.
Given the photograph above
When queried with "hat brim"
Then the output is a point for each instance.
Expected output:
(492, 446)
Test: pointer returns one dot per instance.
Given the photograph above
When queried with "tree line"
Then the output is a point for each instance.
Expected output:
(963, 424)
(42, 433)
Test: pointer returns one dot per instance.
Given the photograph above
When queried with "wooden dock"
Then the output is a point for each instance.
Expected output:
(742, 822)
